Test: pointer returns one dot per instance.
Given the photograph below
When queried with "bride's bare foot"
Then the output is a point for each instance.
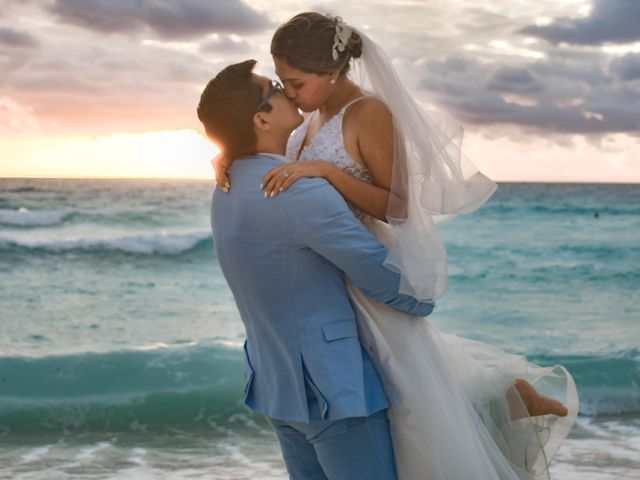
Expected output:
(536, 403)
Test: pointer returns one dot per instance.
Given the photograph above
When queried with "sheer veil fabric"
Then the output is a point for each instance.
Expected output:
(431, 180)
(454, 413)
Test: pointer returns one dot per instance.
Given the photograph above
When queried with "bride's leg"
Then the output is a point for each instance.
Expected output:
(535, 403)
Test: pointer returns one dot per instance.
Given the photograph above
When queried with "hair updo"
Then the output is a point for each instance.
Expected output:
(306, 42)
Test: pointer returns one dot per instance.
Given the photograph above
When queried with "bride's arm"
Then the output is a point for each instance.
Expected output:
(374, 127)
(221, 165)
(374, 132)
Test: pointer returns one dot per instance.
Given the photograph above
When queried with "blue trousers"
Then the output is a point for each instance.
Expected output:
(357, 448)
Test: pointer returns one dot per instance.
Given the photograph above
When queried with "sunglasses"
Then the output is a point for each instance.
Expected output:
(274, 87)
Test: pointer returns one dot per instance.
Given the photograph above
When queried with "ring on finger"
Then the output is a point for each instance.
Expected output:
(286, 173)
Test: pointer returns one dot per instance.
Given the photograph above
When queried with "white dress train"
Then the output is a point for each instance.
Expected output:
(454, 413)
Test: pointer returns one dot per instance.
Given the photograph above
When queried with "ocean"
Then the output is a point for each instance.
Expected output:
(120, 351)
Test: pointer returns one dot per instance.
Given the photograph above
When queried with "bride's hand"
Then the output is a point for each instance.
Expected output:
(221, 165)
(282, 177)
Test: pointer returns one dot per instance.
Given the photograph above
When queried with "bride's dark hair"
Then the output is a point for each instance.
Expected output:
(306, 42)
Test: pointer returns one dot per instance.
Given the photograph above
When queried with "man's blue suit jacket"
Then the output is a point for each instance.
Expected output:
(285, 259)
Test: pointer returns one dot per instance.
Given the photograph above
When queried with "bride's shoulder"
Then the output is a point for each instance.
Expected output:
(370, 113)
(370, 107)
(371, 103)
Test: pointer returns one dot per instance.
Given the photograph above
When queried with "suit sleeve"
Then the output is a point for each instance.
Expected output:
(325, 224)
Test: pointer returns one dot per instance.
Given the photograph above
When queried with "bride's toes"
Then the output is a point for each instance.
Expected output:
(561, 410)
(545, 405)
(538, 404)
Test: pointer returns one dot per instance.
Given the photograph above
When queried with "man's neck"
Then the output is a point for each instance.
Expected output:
(272, 145)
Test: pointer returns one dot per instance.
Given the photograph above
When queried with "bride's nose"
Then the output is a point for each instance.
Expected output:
(289, 92)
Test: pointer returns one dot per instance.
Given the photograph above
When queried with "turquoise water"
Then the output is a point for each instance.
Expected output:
(120, 346)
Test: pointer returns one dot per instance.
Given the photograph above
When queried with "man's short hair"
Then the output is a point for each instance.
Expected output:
(227, 106)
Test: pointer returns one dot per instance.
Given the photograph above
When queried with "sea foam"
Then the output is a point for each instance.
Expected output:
(23, 217)
(162, 243)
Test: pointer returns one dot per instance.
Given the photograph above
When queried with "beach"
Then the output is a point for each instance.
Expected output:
(121, 348)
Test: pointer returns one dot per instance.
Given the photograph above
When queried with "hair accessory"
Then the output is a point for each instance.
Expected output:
(341, 38)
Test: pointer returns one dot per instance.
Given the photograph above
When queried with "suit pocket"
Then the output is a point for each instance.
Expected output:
(248, 370)
(338, 330)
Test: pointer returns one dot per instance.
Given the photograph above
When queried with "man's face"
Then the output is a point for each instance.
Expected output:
(284, 115)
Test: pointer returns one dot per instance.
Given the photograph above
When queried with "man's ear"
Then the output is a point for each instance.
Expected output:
(261, 121)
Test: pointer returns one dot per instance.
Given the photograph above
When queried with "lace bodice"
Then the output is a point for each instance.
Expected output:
(327, 144)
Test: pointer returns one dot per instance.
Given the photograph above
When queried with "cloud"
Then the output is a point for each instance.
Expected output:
(16, 38)
(627, 67)
(567, 93)
(515, 80)
(17, 48)
(479, 68)
(226, 44)
(168, 19)
(116, 86)
(140, 78)
(16, 118)
(615, 21)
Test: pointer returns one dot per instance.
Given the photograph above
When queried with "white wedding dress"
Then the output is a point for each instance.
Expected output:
(454, 414)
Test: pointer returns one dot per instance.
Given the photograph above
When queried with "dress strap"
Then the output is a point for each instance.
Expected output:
(344, 109)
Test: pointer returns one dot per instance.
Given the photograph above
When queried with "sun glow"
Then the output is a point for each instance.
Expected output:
(161, 154)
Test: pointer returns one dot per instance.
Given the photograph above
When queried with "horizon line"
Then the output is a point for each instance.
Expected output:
(204, 179)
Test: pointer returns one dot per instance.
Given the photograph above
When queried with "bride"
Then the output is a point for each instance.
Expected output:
(460, 409)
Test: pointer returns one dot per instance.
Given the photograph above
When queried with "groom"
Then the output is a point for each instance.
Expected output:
(285, 259)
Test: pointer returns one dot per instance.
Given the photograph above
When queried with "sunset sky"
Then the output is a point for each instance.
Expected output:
(547, 90)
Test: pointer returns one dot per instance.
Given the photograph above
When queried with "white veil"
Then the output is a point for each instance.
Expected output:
(431, 179)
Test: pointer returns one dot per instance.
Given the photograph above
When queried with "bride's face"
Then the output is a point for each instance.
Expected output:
(309, 91)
